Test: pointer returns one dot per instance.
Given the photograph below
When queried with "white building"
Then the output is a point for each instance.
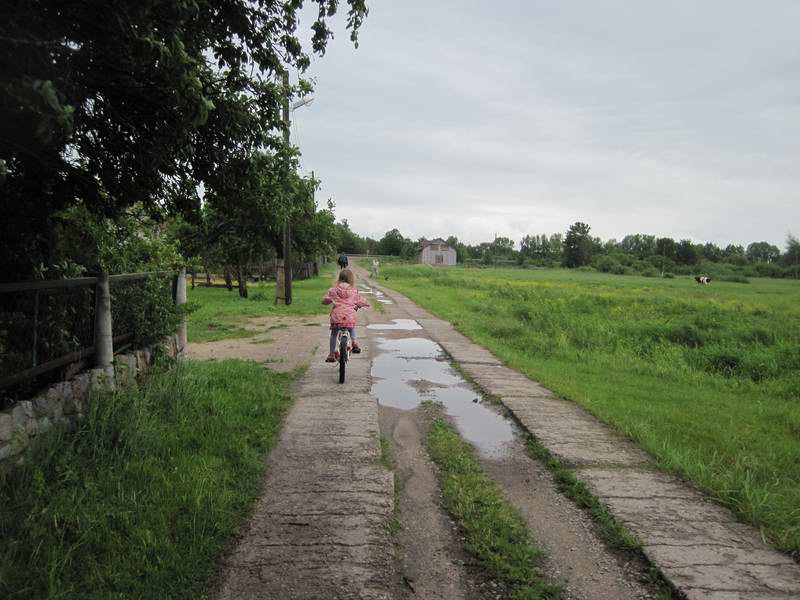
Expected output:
(436, 252)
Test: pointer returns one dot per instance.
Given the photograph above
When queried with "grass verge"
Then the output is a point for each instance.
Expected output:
(142, 499)
(494, 532)
(218, 313)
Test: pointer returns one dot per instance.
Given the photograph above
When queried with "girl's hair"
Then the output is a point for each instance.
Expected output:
(347, 276)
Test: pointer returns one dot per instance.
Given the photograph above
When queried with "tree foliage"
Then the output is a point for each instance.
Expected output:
(107, 105)
(577, 246)
(394, 244)
(763, 252)
(349, 242)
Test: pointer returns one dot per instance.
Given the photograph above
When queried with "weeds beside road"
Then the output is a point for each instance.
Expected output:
(705, 378)
(140, 502)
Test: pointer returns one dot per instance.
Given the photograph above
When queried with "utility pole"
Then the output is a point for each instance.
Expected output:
(284, 271)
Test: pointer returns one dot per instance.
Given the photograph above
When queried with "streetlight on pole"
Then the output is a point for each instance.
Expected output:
(283, 274)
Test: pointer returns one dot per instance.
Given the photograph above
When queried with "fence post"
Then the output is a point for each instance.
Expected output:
(280, 281)
(180, 299)
(103, 335)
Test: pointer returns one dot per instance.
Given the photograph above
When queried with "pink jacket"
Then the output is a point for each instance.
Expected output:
(345, 300)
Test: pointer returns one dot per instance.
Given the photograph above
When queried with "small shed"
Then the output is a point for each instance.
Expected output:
(436, 252)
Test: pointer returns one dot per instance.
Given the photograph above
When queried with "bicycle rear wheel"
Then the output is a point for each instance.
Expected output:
(342, 357)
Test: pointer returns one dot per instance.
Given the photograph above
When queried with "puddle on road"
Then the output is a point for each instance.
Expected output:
(411, 370)
(379, 295)
(404, 324)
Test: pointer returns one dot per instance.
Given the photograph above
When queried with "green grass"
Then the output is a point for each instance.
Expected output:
(218, 314)
(494, 532)
(142, 500)
(706, 378)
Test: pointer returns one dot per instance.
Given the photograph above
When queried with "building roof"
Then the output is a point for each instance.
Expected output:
(425, 243)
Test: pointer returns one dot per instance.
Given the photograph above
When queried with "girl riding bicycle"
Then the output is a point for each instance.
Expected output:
(346, 301)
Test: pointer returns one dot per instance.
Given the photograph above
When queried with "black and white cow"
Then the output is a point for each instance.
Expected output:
(703, 280)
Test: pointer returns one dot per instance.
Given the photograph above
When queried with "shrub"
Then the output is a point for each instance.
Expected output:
(620, 270)
(604, 264)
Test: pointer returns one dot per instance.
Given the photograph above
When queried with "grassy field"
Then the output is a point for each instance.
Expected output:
(218, 313)
(142, 500)
(706, 378)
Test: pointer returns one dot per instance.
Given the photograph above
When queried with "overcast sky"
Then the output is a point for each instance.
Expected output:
(476, 118)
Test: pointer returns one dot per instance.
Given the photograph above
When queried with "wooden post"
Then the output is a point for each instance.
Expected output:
(280, 282)
(103, 335)
(180, 300)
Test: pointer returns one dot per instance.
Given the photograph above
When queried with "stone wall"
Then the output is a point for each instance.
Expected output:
(64, 403)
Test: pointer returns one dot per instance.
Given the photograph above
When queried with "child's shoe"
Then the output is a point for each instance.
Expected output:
(331, 358)
(355, 349)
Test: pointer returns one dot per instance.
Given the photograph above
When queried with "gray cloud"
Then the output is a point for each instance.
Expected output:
(476, 118)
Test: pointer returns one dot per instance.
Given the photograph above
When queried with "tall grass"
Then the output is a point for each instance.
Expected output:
(707, 378)
(141, 500)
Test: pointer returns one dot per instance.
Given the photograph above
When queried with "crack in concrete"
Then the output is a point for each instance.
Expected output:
(312, 544)
(356, 513)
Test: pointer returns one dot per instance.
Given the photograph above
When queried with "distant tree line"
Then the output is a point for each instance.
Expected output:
(577, 248)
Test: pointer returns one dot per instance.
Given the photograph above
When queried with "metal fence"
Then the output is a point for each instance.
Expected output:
(49, 329)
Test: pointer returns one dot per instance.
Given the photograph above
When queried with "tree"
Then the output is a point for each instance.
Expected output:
(666, 247)
(733, 252)
(792, 256)
(711, 252)
(392, 243)
(577, 249)
(537, 247)
(461, 249)
(686, 253)
(556, 246)
(314, 231)
(246, 210)
(529, 246)
(107, 104)
(639, 245)
(349, 242)
(762, 252)
(502, 246)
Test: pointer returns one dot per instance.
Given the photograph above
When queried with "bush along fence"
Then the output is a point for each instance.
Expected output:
(63, 340)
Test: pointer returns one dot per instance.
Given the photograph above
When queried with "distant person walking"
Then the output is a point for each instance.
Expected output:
(342, 260)
(375, 266)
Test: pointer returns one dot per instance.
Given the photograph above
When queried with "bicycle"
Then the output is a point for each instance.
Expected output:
(344, 346)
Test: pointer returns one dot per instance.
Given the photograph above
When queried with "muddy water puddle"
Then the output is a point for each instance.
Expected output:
(409, 371)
